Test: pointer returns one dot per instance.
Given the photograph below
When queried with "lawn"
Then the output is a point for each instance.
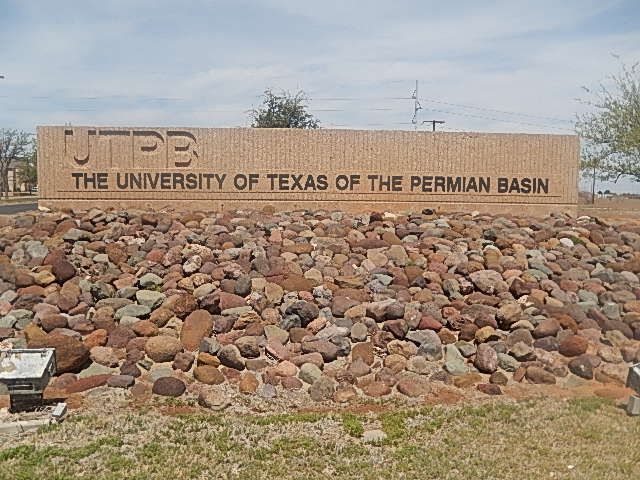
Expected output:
(586, 438)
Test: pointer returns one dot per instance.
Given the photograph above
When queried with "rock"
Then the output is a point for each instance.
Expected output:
(488, 281)
(548, 327)
(309, 373)
(454, 362)
(104, 356)
(121, 381)
(276, 334)
(248, 383)
(63, 270)
(183, 361)
(71, 354)
(208, 374)
(489, 388)
(413, 386)
(168, 387)
(150, 298)
(363, 351)
(376, 389)
(581, 366)
(322, 389)
(197, 325)
(306, 311)
(249, 346)
(540, 375)
(213, 398)
(573, 345)
(150, 280)
(229, 356)
(162, 348)
(328, 350)
(486, 359)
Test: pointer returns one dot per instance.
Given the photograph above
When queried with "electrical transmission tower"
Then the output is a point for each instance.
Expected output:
(433, 123)
(416, 107)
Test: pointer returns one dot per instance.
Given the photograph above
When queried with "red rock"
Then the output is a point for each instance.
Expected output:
(489, 388)
(230, 300)
(427, 322)
(63, 270)
(87, 383)
(120, 336)
(573, 345)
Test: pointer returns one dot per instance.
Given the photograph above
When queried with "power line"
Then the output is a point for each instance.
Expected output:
(496, 111)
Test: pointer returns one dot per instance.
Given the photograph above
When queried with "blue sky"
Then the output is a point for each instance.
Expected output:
(205, 63)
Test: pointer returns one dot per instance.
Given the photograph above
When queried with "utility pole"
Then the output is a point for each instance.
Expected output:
(416, 107)
(433, 123)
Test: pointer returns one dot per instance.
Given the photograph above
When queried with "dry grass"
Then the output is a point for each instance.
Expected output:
(586, 438)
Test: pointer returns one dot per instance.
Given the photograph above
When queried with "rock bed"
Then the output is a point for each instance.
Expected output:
(338, 305)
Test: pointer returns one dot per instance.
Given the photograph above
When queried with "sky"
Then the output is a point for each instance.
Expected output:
(491, 66)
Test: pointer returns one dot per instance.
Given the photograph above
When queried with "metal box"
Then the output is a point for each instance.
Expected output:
(24, 374)
(633, 378)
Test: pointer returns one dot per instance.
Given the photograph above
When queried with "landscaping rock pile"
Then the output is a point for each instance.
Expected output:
(339, 305)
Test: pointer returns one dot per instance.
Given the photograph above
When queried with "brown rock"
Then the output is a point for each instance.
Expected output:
(376, 389)
(169, 387)
(71, 354)
(291, 383)
(486, 359)
(248, 383)
(540, 375)
(197, 325)
(413, 386)
(181, 304)
(51, 322)
(145, 328)
(183, 361)
(208, 374)
(363, 351)
(162, 348)
(63, 270)
(489, 388)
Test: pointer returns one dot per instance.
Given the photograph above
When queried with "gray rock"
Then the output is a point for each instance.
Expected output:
(322, 389)
(150, 298)
(454, 362)
(309, 373)
(150, 280)
(133, 310)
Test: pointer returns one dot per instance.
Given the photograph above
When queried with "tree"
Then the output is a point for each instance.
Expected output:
(28, 169)
(286, 110)
(611, 133)
(14, 145)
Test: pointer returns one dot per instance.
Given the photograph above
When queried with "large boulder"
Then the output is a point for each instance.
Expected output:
(71, 354)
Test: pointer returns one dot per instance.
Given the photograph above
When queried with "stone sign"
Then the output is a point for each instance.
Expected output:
(228, 168)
